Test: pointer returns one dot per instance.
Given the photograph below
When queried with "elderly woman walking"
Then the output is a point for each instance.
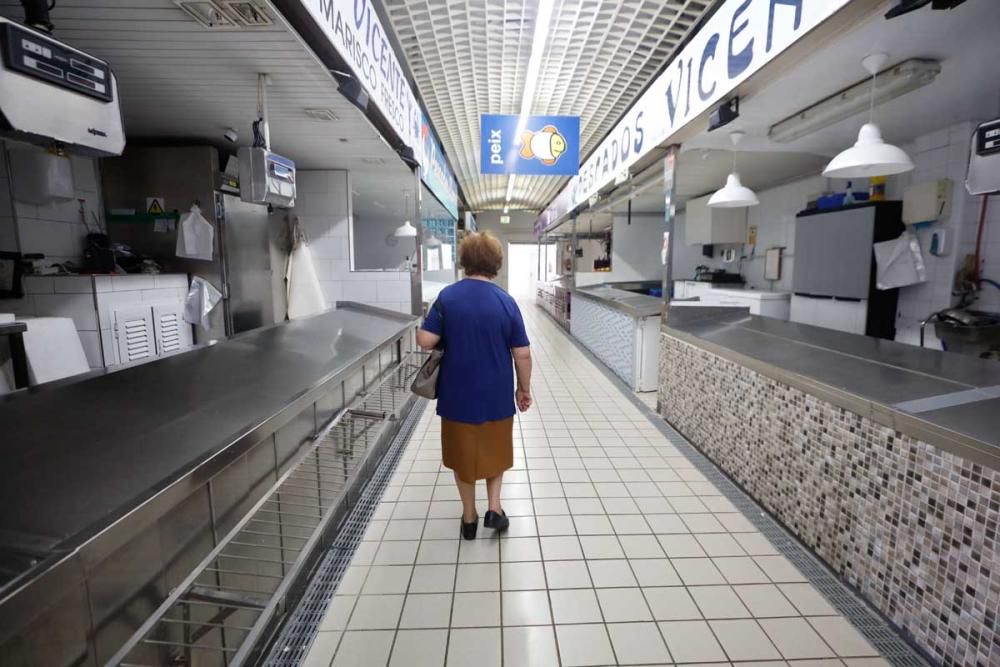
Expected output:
(481, 330)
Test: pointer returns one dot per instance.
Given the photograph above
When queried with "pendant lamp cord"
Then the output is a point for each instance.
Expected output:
(871, 104)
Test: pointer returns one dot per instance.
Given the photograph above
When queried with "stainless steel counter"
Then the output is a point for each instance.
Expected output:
(109, 479)
(948, 400)
(631, 303)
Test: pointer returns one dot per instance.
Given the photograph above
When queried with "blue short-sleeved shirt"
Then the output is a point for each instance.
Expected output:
(479, 323)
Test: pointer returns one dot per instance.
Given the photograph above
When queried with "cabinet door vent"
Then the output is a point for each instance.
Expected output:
(168, 335)
(135, 334)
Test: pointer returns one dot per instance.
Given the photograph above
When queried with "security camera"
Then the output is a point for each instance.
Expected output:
(231, 135)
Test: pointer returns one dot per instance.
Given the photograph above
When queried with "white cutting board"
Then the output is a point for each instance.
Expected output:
(53, 348)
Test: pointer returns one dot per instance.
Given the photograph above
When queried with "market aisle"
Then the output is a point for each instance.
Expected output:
(619, 552)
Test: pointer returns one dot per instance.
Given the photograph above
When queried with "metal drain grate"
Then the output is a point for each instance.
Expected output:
(230, 605)
(293, 643)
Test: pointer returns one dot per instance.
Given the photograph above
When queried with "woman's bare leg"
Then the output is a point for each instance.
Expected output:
(493, 492)
(467, 492)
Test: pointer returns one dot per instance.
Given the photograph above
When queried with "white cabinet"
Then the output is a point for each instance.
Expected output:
(134, 334)
(766, 304)
(143, 333)
(704, 225)
(840, 314)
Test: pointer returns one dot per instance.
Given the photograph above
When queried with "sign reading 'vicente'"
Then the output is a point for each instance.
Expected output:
(354, 30)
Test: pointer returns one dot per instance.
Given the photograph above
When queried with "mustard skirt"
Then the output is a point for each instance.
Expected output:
(477, 451)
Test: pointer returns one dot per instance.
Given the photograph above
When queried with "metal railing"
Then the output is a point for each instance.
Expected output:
(228, 609)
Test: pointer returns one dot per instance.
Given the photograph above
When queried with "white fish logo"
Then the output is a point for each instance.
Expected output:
(546, 145)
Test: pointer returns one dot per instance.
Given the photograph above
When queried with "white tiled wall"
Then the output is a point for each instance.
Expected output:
(322, 204)
(91, 302)
(54, 229)
(944, 154)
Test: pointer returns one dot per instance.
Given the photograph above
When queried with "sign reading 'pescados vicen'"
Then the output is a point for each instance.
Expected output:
(738, 40)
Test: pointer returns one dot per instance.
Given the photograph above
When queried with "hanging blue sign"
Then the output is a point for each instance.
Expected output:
(535, 145)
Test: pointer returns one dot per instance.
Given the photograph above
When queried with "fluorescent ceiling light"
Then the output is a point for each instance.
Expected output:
(733, 194)
(542, 19)
(870, 156)
(890, 84)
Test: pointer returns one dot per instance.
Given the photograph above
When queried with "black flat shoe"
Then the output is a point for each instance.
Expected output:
(469, 529)
(498, 522)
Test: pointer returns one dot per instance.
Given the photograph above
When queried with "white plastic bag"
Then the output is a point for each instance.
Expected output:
(195, 236)
(899, 262)
(305, 295)
(201, 298)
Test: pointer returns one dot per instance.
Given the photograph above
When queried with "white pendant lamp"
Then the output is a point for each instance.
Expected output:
(406, 230)
(870, 155)
(734, 194)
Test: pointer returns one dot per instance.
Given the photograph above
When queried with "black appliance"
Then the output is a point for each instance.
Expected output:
(98, 257)
(717, 276)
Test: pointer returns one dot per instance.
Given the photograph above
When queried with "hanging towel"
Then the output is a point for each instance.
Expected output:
(195, 236)
(899, 262)
(305, 296)
(201, 298)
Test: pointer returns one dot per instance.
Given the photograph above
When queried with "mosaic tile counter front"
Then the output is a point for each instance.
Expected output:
(913, 528)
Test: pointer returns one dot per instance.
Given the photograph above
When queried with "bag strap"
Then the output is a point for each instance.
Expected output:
(440, 310)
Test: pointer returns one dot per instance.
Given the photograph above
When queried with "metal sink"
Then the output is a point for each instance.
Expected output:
(980, 335)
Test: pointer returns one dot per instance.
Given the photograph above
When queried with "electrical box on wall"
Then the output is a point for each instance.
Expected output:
(927, 202)
(983, 176)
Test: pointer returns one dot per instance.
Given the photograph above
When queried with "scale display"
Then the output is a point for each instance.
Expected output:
(42, 58)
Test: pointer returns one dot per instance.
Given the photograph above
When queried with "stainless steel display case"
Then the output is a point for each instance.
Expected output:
(115, 488)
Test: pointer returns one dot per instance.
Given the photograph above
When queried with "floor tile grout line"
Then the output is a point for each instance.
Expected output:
(861, 614)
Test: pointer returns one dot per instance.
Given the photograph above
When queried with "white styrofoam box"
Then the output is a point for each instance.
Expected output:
(73, 284)
(91, 341)
(848, 316)
(102, 284)
(79, 307)
(132, 282)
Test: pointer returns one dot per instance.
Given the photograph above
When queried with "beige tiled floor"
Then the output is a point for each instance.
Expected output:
(619, 553)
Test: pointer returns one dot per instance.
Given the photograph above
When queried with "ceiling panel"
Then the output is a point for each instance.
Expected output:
(469, 57)
(180, 80)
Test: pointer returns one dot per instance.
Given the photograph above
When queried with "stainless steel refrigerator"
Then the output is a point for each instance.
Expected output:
(246, 236)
